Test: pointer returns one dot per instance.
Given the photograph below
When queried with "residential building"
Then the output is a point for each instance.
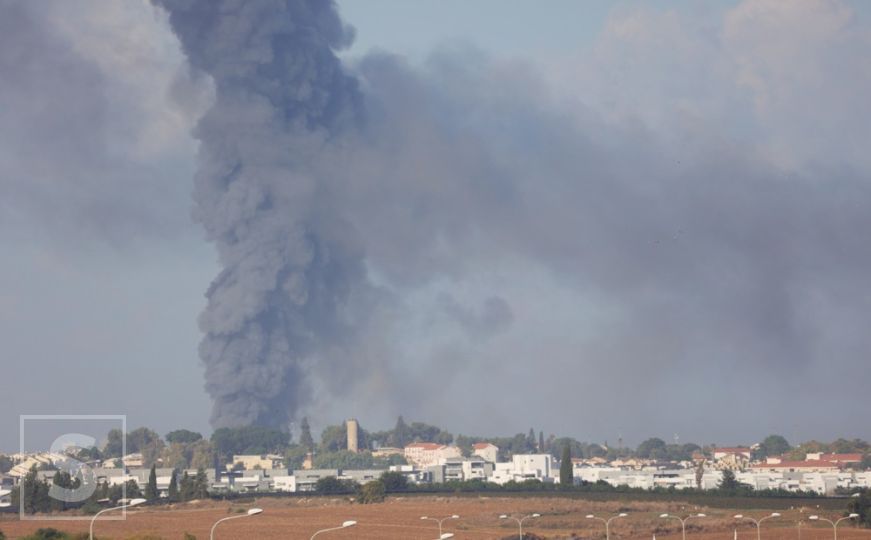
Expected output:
(524, 467)
(133, 460)
(425, 454)
(487, 451)
(387, 451)
(780, 465)
(254, 462)
(736, 451)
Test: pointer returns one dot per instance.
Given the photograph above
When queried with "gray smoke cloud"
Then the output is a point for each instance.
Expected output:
(290, 262)
(454, 231)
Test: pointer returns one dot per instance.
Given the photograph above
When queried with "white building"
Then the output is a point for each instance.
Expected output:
(487, 451)
(425, 454)
(524, 467)
(257, 462)
(133, 460)
(284, 483)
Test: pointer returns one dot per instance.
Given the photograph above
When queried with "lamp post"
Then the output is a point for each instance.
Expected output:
(345, 525)
(683, 521)
(607, 522)
(133, 502)
(251, 512)
(439, 521)
(520, 521)
(834, 524)
(758, 522)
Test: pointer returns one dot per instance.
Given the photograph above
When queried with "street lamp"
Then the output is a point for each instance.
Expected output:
(834, 524)
(345, 525)
(251, 512)
(683, 521)
(607, 522)
(758, 522)
(439, 521)
(520, 521)
(133, 502)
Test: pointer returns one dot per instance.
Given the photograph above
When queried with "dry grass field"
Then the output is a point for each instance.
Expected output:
(399, 519)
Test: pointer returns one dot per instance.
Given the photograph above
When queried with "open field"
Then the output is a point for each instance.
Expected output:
(399, 519)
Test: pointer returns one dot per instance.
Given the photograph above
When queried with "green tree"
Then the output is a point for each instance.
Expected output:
(172, 491)
(186, 487)
(202, 455)
(729, 482)
(334, 438)
(34, 493)
(249, 440)
(700, 472)
(774, 445)
(394, 481)
(183, 436)
(305, 436)
(372, 492)
(201, 485)
(653, 448)
(114, 444)
(63, 479)
(132, 489)
(566, 478)
(332, 485)
(151, 488)
(295, 456)
(401, 435)
(854, 446)
(343, 459)
(541, 447)
(861, 505)
(146, 442)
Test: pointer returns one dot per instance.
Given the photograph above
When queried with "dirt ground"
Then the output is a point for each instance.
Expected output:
(399, 519)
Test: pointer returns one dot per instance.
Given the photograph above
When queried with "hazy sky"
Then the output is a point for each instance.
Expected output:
(596, 219)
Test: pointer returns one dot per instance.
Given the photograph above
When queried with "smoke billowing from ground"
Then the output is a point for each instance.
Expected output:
(290, 262)
(427, 239)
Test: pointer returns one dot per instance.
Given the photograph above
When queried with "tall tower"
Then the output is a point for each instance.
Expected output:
(351, 425)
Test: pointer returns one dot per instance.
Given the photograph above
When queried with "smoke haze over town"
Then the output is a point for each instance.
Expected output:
(614, 220)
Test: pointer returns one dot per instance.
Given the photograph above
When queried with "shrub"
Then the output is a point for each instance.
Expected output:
(372, 492)
(862, 506)
(47, 534)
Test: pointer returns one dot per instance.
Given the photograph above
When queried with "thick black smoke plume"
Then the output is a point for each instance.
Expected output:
(289, 262)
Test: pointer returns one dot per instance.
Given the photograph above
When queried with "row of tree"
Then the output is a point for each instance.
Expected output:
(37, 497)
(184, 449)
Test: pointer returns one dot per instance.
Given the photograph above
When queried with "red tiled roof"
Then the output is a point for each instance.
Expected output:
(845, 458)
(732, 450)
(425, 445)
(482, 445)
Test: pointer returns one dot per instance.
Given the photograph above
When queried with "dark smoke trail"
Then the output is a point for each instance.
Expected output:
(289, 263)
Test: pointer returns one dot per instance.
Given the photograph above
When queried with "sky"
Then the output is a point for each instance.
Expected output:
(600, 219)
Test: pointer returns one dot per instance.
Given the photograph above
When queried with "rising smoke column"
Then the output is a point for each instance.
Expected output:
(289, 262)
